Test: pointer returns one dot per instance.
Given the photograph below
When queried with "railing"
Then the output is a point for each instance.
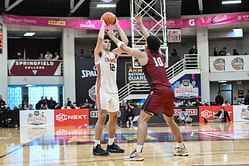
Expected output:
(189, 62)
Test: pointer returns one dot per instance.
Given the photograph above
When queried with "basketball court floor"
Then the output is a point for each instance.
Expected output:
(209, 144)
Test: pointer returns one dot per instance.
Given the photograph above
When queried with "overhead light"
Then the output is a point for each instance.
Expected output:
(228, 2)
(29, 34)
(237, 30)
(28, 85)
(222, 81)
(110, 5)
(106, 1)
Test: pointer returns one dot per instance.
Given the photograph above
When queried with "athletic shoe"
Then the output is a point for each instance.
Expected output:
(134, 156)
(114, 148)
(98, 151)
(181, 151)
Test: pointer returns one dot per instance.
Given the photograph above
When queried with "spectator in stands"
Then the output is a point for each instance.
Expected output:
(129, 113)
(41, 56)
(51, 103)
(19, 55)
(187, 103)
(43, 107)
(235, 52)
(173, 57)
(86, 104)
(197, 102)
(31, 107)
(222, 115)
(247, 98)
(70, 104)
(226, 103)
(24, 105)
(2, 102)
(184, 117)
(219, 100)
(193, 50)
(223, 52)
(216, 51)
(48, 55)
(56, 56)
(40, 102)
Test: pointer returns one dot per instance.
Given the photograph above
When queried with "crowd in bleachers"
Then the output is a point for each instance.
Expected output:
(46, 56)
(174, 57)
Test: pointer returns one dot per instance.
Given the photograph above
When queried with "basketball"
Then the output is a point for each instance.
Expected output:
(109, 18)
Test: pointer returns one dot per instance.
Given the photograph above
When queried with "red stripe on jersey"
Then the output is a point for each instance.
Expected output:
(98, 87)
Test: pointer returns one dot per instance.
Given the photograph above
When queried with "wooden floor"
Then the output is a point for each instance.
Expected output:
(211, 144)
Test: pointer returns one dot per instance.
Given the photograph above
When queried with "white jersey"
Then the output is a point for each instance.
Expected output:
(107, 72)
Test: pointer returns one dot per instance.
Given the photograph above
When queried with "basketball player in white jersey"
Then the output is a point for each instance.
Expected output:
(106, 90)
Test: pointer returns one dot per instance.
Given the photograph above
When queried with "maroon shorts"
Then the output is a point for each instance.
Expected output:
(160, 99)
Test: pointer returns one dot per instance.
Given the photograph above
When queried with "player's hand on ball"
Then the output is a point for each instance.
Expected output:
(111, 33)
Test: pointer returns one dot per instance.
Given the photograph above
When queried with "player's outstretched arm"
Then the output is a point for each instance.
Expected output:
(123, 47)
(100, 39)
(121, 32)
(138, 21)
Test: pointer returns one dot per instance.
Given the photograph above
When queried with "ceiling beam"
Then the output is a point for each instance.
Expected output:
(17, 2)
(200, 3)
(71, 4)
(76, 6)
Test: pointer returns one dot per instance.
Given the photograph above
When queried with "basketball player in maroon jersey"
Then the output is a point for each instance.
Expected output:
(161, 95)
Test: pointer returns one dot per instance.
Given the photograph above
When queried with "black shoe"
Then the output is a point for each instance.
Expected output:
(98, 151)
(114, 148)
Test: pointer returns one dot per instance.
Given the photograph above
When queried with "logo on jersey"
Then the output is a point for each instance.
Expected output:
(110, 60)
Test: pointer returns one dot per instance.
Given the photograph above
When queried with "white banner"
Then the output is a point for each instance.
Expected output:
(241, 113)
(229, 63)
(174, 35)
(36, 118)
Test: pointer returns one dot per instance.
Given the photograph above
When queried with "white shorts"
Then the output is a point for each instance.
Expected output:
(107, 101)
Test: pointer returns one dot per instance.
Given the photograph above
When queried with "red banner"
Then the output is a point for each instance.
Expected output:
(34, 67)
(208, 112)
(71, 117)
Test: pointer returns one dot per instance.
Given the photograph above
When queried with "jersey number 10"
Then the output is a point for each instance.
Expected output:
(158, 62)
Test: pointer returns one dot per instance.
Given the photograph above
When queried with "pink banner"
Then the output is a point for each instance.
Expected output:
(58, 22)
(126, 24)
(208, 20)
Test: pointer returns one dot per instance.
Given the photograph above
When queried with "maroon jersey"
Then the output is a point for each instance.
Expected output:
(154, 70)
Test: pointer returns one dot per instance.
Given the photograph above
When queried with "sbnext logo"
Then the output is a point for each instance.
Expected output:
(63, 117)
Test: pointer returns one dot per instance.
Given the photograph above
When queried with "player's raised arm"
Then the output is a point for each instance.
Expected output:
(138, 21)
(122, 34)
(123, 47)
(100, 39)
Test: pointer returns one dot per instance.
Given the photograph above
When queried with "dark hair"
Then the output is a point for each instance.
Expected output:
(107, 37)
(153, 43)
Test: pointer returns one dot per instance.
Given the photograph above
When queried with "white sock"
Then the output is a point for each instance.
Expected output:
(110, 141)
(96, 142)
(139, 148)
(181, 145)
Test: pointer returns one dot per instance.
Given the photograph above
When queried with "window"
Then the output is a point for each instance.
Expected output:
(14, 96)
(36, 92)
